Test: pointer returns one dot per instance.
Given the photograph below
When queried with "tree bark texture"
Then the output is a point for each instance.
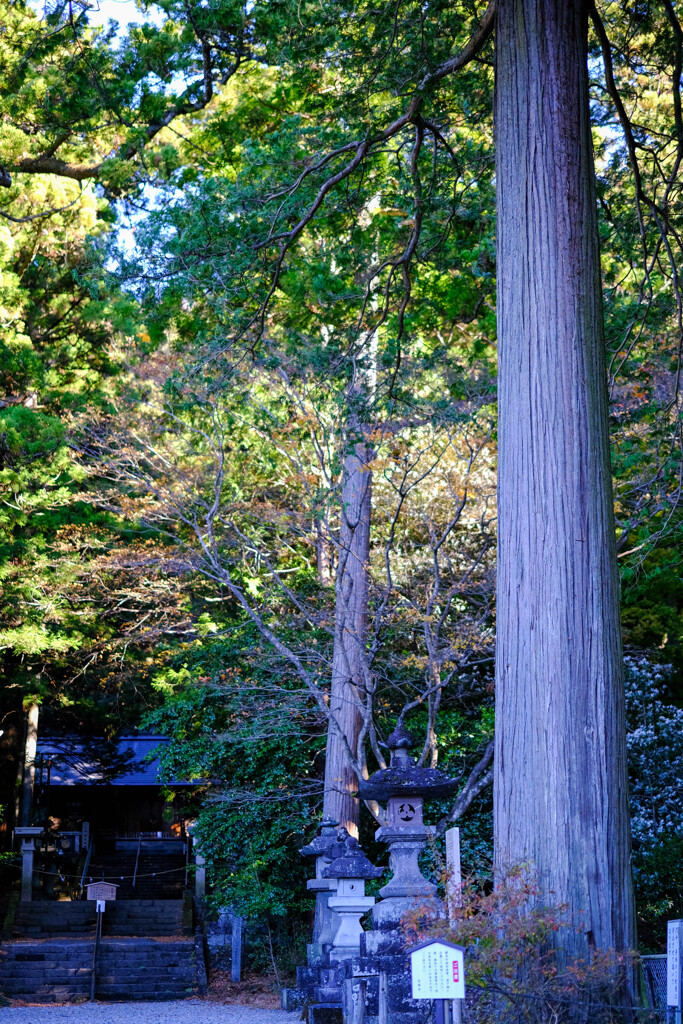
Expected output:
(560, 789)
(349, 660)
(30, 750)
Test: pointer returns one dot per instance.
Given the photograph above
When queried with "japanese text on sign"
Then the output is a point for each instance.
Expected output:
(437, 972)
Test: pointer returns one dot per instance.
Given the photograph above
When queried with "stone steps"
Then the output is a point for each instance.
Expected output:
(121, 917)
(131, 969)
(43, 918)
(165, 972)
(160, 874)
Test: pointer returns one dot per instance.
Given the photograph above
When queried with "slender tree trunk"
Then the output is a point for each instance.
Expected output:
(351, 619)
(560, 765)
(11, 748)
(323, 553)
(29, 776)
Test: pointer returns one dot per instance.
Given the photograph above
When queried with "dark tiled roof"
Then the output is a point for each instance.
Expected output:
(77, 762)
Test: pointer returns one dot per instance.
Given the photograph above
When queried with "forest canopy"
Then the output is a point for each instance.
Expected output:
(249, 425)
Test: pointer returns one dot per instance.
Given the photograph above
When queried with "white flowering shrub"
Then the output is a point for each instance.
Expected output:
(655, 753)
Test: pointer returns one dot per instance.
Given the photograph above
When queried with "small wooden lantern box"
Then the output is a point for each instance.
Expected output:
(101, 891)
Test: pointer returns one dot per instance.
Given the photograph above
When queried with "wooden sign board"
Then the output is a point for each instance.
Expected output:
(437, 970)
(101, 891)
(674, 953)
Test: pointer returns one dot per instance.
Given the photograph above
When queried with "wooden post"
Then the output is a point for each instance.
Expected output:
(383, 1008)
(359, 1003)
(441, 1010)
(98, 933)
(236, 955)
(454, 895)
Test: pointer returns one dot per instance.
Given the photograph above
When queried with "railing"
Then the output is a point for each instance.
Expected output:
(654, 976)
(137, 860)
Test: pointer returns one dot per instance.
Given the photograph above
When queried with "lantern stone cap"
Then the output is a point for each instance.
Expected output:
(401, 738)
(435, 942)
(403, 777)
(349, 861)
(326, 838)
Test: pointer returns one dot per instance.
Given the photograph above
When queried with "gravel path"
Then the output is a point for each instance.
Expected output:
(185, 1011)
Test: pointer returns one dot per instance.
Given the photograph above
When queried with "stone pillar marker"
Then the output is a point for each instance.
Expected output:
(200, 864)
(28, 834)
(454, 871)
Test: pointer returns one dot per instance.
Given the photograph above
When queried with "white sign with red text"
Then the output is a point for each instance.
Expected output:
(437, 969)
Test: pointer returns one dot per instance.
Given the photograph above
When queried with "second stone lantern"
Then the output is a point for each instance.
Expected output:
(403, 787)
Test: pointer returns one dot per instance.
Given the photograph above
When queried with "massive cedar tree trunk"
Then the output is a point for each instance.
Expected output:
(351, 619)
(560, 769)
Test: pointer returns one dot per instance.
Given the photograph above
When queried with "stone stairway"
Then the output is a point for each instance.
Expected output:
(145, 969)
(146, 951)
(46, 971)
(160, 872)
(130, 969)
(122, 917)
(43, 919)
(145, 917)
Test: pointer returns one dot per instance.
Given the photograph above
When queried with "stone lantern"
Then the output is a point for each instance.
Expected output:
(404, 787)
(351, 868)
(325, 923)
(341, 872)
(380, 976)
(30, 838)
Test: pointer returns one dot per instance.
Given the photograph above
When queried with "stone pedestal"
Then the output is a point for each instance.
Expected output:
(407, 890)
(350, 903)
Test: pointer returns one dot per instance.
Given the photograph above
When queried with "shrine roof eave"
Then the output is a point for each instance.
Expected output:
(128, 762)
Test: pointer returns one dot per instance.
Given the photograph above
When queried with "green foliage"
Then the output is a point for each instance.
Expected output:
(68, 568)
(97, 105)
(249, 323)
(242, 729)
